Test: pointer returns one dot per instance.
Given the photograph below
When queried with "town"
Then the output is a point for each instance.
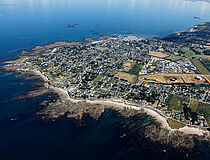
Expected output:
(167, 76)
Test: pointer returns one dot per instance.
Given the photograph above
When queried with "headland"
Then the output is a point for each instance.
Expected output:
(132, 75)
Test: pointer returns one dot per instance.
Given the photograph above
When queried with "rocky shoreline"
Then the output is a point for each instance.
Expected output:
(159, 132)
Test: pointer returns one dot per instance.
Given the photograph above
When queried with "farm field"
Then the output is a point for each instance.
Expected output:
(174, 58)
(188, 53)
(158, 54)
(175, 103)
(202, 69)
(127, 76)
(204, 56)
(176, 78)
(206, 63)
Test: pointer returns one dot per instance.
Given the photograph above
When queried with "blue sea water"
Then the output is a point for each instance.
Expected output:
(27, 23)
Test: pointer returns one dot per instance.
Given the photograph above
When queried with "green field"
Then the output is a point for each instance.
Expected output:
(204, 108)
(176, 102)
(174, 58)
(202, 69)
(188, 53)
(136, 69)
(194, 105)
(97, 79)
(206, 63)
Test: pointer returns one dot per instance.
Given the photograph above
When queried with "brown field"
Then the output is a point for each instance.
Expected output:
(158, 54)
(176, 53)
(203, 56)
(129, 64)
(174, 124)
(126, 76)
(180, 78)
(207, 78)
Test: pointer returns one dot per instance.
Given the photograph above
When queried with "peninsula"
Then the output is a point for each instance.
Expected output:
(166, 78)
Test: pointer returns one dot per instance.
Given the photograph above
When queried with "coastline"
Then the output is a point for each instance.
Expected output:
(63, 94)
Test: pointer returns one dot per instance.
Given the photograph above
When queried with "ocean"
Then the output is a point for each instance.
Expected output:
(28, 23)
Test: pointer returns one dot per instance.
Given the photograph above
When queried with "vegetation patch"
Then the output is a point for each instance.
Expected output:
(176, 102)
(174, 58)
(97, 79)
(158, 54)
(204, 56)
(204, 108)
(202, 69)
(206, 63)
(188, 53)
(131, 78)
(136, 69)
(194, 105)
(174, 124)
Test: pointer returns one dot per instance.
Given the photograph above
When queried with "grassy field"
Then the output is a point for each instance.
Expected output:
(204, 108)
(188, 53)
(176, 102)
(174, 124)
(97, 79)
(158, 54)
(194, 105)
(202, 69)
(131, 78)
(136, 69)
(206, 63)
(204, 56)
(174, 58)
